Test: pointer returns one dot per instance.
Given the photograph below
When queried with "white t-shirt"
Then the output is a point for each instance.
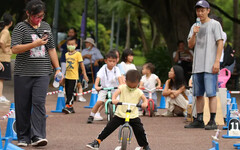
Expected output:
(127, 67)
(224, 41)
(150, 82)
(109, 78)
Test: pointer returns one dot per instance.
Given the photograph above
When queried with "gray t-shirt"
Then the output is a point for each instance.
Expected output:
(205, 49)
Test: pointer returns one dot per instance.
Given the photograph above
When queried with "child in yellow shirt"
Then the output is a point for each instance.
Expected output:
(73, 60)
(129, 94)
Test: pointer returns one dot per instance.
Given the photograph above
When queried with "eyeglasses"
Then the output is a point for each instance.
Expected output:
(39, 17)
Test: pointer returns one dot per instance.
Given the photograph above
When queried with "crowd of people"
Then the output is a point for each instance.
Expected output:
(36, 58)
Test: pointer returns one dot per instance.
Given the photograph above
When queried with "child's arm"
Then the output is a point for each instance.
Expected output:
(84, 71)
(159, 83)
(115, 95)
(145, 102)
(141, 85)
(120, 81)
(166, 91)
(97, 83)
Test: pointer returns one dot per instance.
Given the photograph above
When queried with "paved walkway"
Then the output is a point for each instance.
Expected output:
(71, 132)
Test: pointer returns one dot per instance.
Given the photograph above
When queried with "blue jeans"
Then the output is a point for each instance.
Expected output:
(205, 82)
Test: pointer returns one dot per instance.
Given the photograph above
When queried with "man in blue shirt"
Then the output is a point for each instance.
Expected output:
(91, 56)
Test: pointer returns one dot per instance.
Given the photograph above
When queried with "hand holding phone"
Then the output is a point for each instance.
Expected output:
(45, 35)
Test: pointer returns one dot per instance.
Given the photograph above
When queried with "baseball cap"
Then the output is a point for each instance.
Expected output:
(202, 3)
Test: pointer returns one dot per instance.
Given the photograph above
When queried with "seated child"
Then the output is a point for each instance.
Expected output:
(129, 94)
(73, 60)
(110, 76)
(174, 91)
(149, 81)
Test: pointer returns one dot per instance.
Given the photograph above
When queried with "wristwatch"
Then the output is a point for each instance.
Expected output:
(58, 68)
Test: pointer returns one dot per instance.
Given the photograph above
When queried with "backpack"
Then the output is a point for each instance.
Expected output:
(228, 57)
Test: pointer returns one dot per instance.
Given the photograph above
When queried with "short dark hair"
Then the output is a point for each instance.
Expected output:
(72, 38)
(150, 66)
(133, 76)
(126, 53)
(7, 19)
(116, 51)
(180, 41)
(111, 54)
(35, 6)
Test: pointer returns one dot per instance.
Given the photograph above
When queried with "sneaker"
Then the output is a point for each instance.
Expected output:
(22, 144)
(68, 110)
(39, 142)
(211, 125)
(156, 113)
(98, 117)
(195, 124)
(140, 113)
(81, 99)
(90, 119)
(94, 145)
(3, 99)
(146, 148)
(167, 114)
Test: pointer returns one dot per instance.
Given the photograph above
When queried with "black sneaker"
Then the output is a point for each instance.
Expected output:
(195, 124)
(68, 110)
(39, 142)
(94, 145)
(90, 119)
(146, 148)
(211, 125)
(22, 144)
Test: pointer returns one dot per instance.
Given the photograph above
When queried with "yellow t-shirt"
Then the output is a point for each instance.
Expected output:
(128, 96)
(72, 64)
(6, 39)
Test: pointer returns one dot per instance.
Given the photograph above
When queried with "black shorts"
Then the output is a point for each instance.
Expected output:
(6, 74)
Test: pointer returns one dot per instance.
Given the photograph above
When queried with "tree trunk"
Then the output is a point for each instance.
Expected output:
(155, 36)
(236, 37)
(173, 19)
(127, 45)
(142, 34)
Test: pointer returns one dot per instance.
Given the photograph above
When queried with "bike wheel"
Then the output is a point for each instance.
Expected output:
(151, 108)
(110, 111)
(125, 136)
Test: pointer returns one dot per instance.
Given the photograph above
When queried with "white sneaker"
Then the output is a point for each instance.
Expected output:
(98, 117)
(3, 99)
(81, 99)
(140, 113)
(156, 113)
(167, 114)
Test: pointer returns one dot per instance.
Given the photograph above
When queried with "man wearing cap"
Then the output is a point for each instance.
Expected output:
(207, 41)
(91, 52)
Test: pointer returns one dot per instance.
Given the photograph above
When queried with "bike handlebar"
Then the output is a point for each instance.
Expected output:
(129, 104)
(109, 88)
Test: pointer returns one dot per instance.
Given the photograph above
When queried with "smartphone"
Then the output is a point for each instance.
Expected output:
(45, 34)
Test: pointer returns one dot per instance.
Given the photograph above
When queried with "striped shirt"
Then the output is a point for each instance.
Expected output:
(36, 61)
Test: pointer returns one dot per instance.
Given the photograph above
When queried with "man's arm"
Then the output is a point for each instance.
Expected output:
(192, 40)
(216, 65)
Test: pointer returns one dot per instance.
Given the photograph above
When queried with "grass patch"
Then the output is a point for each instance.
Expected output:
(139, 59)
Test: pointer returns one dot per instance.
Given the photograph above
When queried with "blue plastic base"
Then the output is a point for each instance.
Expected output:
(88, 106)
(231, 137)
(161, 107)
(56, 111)
(225, 127)
(237, 146)
(215, 145)
(5, 138)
